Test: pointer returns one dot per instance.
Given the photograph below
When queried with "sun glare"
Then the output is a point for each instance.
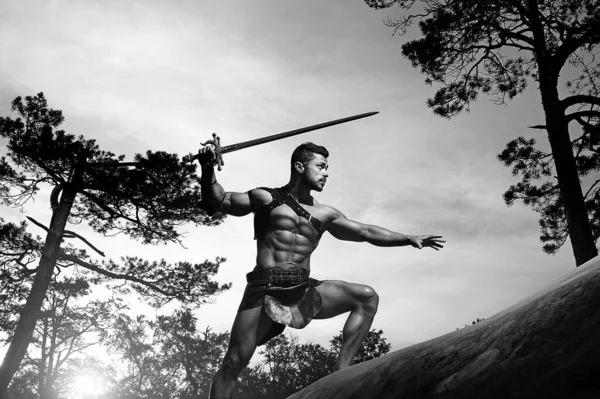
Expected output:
(86, 386)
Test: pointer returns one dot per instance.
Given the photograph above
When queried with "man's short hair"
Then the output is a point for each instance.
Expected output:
(305, 152)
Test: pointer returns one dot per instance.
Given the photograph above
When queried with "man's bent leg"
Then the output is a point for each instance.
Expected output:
(249, 326)
(361, 301)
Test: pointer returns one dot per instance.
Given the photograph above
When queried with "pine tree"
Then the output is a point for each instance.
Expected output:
(147, 200)
(470, 47)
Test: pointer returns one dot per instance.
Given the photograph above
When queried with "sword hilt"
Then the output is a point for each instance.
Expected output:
(216, 143)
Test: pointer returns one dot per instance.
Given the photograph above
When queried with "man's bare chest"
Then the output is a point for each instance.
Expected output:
(284, 218)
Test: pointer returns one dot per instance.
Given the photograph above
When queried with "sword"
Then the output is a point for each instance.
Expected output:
(219, 151)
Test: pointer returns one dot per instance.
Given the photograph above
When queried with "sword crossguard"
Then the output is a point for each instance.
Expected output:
(216, 143)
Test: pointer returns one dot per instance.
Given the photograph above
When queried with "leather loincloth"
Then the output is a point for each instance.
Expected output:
(287, 296)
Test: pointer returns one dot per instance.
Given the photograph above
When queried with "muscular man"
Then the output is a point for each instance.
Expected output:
(289, 224)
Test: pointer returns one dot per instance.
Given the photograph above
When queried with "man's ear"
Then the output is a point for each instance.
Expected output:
(299, 166)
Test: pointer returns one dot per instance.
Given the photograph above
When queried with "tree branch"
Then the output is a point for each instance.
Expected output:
(38, 223)
(67, 234)
(580, 114)
(591, 188)
(119, 214)
(54, 197)
(97, 269)
(572, 44)
(71, 234)
(579, 99)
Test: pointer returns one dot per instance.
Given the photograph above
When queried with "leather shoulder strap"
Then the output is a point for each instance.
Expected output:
(296, 207)
(277, 200)
(261, 216)
(281, 196)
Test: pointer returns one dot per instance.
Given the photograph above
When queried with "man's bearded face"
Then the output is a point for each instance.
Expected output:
(315, 172)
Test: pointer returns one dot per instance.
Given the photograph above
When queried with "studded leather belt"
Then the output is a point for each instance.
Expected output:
(278, 275)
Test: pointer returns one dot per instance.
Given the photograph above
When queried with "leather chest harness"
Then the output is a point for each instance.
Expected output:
(280, 196)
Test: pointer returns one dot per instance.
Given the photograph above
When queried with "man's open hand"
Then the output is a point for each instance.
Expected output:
(427, 241)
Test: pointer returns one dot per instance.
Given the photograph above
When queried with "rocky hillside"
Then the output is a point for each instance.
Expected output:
(545, 346)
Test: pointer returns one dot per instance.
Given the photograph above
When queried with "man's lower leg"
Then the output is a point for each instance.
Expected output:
(356, 328)
(223, 385)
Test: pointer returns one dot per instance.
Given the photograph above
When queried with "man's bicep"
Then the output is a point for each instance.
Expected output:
(236, 204)
(345, 229)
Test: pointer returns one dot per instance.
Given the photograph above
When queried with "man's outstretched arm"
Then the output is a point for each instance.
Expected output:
(345, 229)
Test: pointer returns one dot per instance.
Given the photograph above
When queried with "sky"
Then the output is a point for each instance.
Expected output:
(165, 75)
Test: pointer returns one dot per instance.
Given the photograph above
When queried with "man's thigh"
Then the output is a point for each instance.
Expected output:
(340, 297)
(248, 328)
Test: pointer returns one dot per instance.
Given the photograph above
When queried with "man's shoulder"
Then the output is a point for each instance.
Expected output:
(261, 195)
(264, 193)
(261, 190)
(326, 210)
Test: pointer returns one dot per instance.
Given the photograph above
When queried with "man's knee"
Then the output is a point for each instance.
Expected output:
(235, 361)
(369, 300)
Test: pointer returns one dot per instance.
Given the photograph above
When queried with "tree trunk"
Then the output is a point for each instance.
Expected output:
(578, 224)
(549, 67)
(580, 232)
(31, 312)
(545, 346)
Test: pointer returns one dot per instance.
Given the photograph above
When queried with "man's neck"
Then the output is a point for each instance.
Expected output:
(299, 191)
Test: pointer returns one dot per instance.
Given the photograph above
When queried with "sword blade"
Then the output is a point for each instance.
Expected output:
(279, 136)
